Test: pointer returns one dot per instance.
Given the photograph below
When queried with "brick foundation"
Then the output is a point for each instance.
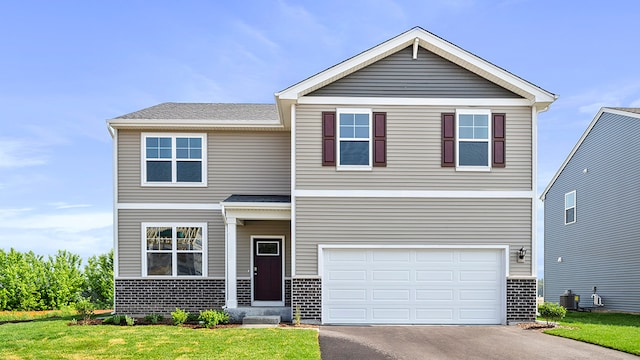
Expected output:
(244, 292)
(521, 300)
(162, 296)
(307, 293)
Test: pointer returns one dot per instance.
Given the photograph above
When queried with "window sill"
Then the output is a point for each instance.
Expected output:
(474, 168)
(354, 168)
(167, 184)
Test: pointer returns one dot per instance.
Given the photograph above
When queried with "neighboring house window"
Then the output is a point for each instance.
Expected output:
(174, 159)
(570, 207)
(174, 249)
(354, 139)
(473, 139)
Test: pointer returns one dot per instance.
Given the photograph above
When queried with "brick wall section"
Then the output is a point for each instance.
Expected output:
(244, 292)
(307, 293)
(162, 296)
(521, 300)
(287, 292)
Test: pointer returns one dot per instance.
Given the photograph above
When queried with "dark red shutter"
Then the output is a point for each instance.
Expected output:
(379, 139)
(448, 139)
(498, 140)
(328, 138)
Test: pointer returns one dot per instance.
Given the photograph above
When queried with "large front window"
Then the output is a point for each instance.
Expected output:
(174, 159)
(354, 138)
(473, 132)
(174, 249)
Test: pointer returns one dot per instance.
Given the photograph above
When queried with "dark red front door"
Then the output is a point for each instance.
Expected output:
(267, 271)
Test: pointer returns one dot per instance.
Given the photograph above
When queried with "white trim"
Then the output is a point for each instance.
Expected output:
(174, 250)
(293, 187)
(581, 140)
(381, 101)
(416, 194)
(534, 186)
(167, 206)
(173, 124)
(116, 258)
(252, 269)
(486, 112)
(174, 160)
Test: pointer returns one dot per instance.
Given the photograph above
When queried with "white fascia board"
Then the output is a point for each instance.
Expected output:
(256, 205)
(581, 140)
(575, 148)
(193, 123)
(457, 102)
(416, 194)
(432, 43)
(166, 206)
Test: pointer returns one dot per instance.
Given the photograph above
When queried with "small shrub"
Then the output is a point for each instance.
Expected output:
(179, 317)
(85, 308)
(297, 316)
(129, 320)
(114, 320)
(192, 317)
(212, 318)
(551, 311)
(154, 318)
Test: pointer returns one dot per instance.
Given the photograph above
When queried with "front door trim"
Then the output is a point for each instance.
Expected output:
(257, 238)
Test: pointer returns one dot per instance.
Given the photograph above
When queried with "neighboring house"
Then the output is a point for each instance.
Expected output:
(395, 187)
(591, 224)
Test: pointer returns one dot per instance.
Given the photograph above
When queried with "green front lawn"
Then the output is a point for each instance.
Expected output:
(612, 330)
(54, 339)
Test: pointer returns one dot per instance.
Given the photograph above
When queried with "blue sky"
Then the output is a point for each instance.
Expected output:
(67, 66)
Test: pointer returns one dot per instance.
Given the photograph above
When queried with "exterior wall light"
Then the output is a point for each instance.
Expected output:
(521, 254)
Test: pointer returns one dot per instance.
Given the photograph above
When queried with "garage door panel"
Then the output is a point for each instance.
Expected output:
(428, 295)
(434, 275)
(433, 286)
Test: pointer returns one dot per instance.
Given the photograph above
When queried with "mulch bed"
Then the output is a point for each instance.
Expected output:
(536, 326)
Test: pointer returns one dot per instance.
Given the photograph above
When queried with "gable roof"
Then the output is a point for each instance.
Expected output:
(631, 112)
(536, 95)
(201, 115)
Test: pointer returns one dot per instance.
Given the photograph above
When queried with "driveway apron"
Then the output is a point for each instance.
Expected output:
(453, 342)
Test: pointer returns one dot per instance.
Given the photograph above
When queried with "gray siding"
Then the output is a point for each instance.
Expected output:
(601, 248)
(411, 221)
(130, 237)
(428, 76)
(238, 163)
(257, 228)
(413, 153)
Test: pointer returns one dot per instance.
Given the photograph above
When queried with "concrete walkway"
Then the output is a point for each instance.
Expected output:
(453, 342)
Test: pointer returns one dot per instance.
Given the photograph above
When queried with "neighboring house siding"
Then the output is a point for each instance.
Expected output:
(411, 221)
(261, 228)
(428, 76)
(130, 237)
(413, 153)
(237, 163)
(601, 248)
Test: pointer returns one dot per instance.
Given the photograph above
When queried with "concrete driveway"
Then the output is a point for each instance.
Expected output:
(453, 342)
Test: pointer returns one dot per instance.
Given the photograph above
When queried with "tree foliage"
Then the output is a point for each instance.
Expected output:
(31, 282)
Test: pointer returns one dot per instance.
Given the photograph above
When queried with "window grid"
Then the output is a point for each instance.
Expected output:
(174, 159)
(473, 130)
(354, 138)
(176, 250)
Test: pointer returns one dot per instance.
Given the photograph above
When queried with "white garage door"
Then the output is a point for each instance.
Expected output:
(413, 286)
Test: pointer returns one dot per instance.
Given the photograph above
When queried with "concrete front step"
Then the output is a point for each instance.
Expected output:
(261, 320)
(238, 314)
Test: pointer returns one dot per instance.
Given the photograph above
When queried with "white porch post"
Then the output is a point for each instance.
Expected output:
(230, 276)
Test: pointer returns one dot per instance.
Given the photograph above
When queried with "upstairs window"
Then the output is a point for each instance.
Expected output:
(174, 249)
(473, 139)
(173, 159)
(570, 207)
(354, 138)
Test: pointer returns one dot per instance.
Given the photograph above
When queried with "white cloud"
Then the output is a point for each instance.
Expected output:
(20, 153)
(64, 205)
(255, 34)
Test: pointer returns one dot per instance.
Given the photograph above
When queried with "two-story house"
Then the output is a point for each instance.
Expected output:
(397, 186)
